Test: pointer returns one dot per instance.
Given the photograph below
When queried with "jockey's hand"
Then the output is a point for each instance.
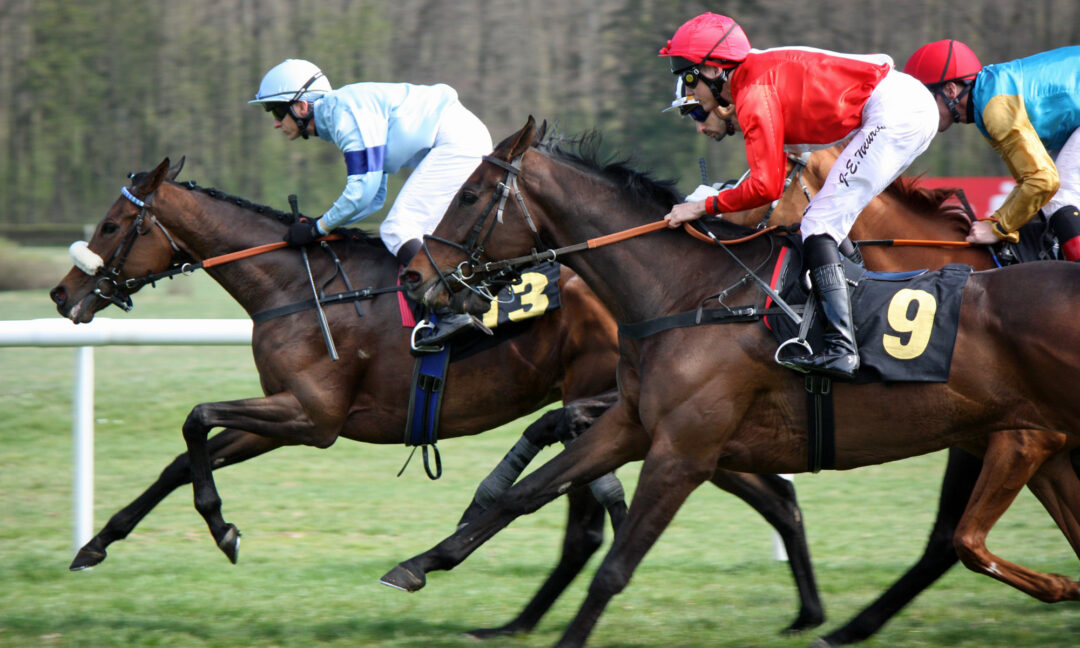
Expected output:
(302, 232)
(684, 213)
(982, 233)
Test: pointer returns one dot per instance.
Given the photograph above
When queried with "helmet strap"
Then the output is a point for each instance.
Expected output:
(302, 122)
(951, 104)
(716, 86)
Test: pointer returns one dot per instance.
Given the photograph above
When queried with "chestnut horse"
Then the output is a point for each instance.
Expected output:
(699, 398)
(310, 400)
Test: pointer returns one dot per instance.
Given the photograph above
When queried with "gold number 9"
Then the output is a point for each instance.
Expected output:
(920, 325)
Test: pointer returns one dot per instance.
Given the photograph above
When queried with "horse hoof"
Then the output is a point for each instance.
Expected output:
(821, 643)
(403, 579)
(489, 633)
(802, 624)
(86, 558)
(230, 543)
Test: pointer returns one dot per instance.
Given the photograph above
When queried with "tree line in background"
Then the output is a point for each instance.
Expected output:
(95, 89)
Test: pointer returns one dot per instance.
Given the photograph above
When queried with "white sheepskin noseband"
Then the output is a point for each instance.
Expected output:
(84, 259)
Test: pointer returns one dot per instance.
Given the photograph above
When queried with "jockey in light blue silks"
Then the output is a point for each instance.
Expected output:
(380, 129)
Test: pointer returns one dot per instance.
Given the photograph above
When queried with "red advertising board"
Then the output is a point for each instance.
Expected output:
(984, 193)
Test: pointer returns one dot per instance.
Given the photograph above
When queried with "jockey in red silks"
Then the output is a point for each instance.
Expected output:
(794, 100)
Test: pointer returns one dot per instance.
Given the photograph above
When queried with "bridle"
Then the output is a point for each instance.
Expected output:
(474, 246)
(108, 274)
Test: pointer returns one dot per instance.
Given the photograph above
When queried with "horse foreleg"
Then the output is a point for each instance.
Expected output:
(667, 479)
(279, 417)
(1011, 460)
(608, 444)
(229, 447)
(584, 535)
(1058, 489)
(938, 557)
(774, 498)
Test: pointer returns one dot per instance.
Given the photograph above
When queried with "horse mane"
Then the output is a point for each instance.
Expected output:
(929, 201)
(286, 218)
(584, 151)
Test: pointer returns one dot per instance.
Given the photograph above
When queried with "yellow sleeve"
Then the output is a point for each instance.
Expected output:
(1015, 140)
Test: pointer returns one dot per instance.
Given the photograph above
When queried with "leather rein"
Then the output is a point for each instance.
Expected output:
(501, 272)
(109, 273)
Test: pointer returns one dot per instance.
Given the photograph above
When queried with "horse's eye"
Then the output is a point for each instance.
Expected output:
(469, 198)
(109, 228)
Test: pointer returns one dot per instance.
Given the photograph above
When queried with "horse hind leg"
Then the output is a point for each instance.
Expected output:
(1057, 487)
(774, 498)
(584, 535)
(230, 446)
(279, 417)
(938, 557)
(1011, 460)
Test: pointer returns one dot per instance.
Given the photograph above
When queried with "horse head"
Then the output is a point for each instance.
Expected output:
(128, 243)
(448, 272)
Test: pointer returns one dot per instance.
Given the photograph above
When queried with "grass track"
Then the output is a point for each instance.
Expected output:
(320, 527)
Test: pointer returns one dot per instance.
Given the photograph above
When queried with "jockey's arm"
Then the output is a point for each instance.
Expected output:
(364, 195)
(1014, 138)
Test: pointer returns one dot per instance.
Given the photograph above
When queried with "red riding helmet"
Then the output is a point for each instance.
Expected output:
(709, 38)
(941, 61)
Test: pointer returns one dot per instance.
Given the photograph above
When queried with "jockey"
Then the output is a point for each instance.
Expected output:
(381, 128)
(1026, 108)
(794, 100)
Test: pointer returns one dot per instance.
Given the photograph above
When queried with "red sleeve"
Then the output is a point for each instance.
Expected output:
(762, 123)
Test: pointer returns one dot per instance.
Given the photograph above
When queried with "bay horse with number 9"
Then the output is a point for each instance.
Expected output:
(696, 399)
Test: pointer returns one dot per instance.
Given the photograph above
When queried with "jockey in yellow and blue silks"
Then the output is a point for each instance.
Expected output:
(1029, 110)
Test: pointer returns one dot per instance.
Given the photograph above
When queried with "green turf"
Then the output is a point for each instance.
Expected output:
(320, 527)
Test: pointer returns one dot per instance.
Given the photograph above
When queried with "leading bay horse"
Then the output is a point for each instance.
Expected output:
(699, 398)
(570, 353)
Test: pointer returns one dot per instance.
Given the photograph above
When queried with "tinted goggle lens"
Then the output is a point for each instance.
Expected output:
(691, 76)
(278, 110)
(697, 113)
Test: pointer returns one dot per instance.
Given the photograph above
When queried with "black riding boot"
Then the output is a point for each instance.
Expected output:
(449, 324)
(840, 357)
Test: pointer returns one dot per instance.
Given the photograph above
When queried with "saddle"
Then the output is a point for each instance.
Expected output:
(905, 323)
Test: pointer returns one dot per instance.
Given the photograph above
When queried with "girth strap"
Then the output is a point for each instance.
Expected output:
(821, 424)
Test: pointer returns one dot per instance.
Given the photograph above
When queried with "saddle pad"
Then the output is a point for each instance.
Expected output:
(536, 294)
(905, 326)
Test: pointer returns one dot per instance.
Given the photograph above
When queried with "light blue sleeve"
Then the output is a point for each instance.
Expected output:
(363, 195)
(360, 133)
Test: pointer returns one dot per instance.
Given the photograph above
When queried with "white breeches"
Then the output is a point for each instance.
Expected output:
(898, 123)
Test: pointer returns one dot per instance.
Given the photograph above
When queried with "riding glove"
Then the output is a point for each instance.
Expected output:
(302, 232)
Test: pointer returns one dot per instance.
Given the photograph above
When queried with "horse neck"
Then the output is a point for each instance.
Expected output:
(207, 227)
(639, 278)
(892, 216)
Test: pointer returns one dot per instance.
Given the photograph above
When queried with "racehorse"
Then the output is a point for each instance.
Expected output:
(698, 398)
(158, 225)
(920, 216)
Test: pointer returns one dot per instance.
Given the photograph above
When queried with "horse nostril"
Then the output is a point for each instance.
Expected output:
(411, 278)
(58, 295)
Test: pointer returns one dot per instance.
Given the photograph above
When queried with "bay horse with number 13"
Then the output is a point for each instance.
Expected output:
(158, 224)
(696, 399)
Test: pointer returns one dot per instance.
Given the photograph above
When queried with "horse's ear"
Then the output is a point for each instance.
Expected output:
(540, 132)
(175, 169)
(523, 140)
(153, 179)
